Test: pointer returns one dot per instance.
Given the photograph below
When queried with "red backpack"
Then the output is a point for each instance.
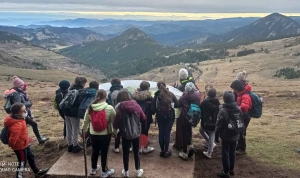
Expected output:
(98, 120)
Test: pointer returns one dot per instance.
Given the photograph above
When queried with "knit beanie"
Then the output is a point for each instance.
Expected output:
(17, 82)
(212, 93)
(237, 85)
(241, 75)
(190, 87)
(183, 74)
(228, 97)
(63, 85)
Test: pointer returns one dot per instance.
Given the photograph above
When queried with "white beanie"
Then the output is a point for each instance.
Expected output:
(241, 75)
(190, 87)
(183, 74)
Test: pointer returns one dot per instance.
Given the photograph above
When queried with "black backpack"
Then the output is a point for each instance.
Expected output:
(130, 126)
(209, 120)
(8, 103)
(236, 123)
(4, 135)
(67, 103)
(163, 111)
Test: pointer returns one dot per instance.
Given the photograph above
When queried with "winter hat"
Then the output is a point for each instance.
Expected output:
(183, 74)
(228, 97)
(241, 75)
(17, 82)
(63, 85)
(237, 85)
(190, 87)
(212, 93)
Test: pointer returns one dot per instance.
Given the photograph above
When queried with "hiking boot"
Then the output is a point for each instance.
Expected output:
(239, 153)
(191, 150)
(231, 173)
(183, 156)
(139, 172)
(125, 173)
(76, 149)
(147, 150)
(107, 173)
(117, 150)
(167, 154)
(205, 153)
(223, 175)
(42, 172)
(70, 148)
(162, 154)
(94, 171)
(42, 139)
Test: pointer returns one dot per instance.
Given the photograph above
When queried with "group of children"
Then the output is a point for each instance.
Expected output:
(106, 115)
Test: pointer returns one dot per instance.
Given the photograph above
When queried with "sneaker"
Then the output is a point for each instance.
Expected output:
(167, 154)
(214, 146)
(139, 172)
(42, 139)
(205, 153)
(94, 171)
(223, 175)
(70, 148)
(108, 173)
(148, 150)
(76, 149)
(42, 172)
(162, 154)
(231, 173)
(191, 150)
(141, 150)
(130, 149)
(117, 150)
(125, 173)
(183, 155)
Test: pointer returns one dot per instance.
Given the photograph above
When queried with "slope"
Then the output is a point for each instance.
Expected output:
(270, 27)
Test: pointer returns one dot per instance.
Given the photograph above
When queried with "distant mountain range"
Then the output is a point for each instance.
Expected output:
(270, 27)
(52, 37)
(6, 37)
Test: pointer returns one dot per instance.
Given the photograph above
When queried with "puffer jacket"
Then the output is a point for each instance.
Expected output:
(223, 120)
(73, 112)
(128, 107)
(18, 133)
(244, 100)
(110, 116)
(209, 107)
(185, 102)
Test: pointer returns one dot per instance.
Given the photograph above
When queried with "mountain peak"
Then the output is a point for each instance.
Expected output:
(135, 34)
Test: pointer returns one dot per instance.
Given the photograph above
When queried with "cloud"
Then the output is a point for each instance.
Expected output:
(187, 6)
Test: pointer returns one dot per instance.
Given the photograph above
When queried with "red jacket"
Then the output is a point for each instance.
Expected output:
(244, 100)
(17, 131)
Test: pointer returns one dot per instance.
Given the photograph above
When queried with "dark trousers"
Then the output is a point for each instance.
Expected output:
(100, 143)
(126, 144)
(228, 156)
(117, 140)
(242, 141)
(164, 132)
(34, 126)
(186, 136)
(62, 115)
(24, 156)
(178, 139)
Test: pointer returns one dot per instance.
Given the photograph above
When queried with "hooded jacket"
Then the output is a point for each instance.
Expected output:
(244, 100)
(209, 106)
(128, 107)
(185, 102)
(223, 120)
(110, 116)
(73, 111)
(112, 89)
(144, 99)
(18, 133)
(18, 96)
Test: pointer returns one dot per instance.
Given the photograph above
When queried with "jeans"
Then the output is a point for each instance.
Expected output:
(186, 136)
(34, 126)
(126, 144)
(228, 156)
(210, 139)
(242, 141)
(164, 132)
(24, 156)
(100, 143)
(72, 130)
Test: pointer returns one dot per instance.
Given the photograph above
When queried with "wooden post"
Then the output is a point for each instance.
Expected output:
(84, 153)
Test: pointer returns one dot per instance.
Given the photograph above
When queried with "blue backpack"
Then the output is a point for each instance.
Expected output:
(256, 110)
(4, 135)
(194, 115)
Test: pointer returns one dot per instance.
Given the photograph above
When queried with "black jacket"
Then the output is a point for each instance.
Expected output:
(154, 102)
(209, 108)
(223, 120)
(19, 97)
(74, 110)
(184, 82)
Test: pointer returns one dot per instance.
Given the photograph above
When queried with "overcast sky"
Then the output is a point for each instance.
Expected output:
(195, 6)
